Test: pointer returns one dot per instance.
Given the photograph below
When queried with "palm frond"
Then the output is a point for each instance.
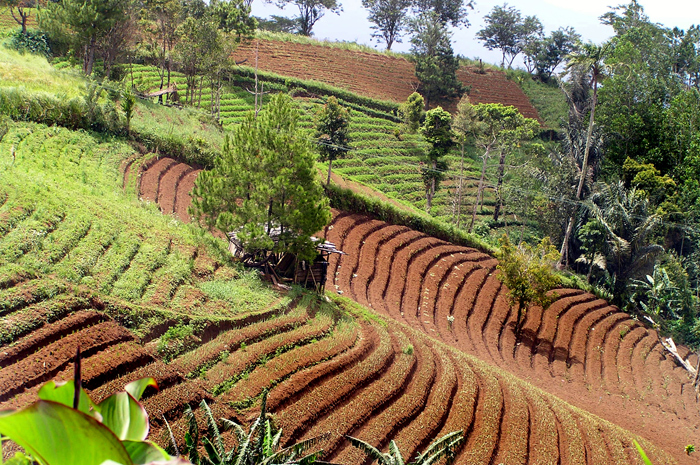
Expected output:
(212, 428)
(192, 436)
(448, 441)
(368, 449)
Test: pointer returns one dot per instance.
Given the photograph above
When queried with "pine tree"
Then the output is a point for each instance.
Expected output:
(332, 125)
(265, 179)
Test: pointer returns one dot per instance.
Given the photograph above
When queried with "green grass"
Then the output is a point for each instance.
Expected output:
(548, 99)
(33, 73)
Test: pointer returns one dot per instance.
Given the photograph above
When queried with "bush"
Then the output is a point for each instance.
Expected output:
(33, 41)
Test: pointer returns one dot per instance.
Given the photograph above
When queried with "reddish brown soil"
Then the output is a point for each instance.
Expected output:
(371, 74)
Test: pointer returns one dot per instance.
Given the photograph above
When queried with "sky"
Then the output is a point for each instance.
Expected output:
(352, 25)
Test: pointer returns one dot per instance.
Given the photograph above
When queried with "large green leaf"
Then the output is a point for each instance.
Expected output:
(136, 388)
(142, 452)
(63, 394)
(55, 434)
(124, 416)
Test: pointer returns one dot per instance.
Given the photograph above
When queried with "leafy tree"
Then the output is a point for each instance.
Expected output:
(444, 447)
(452, 12)
(495, 128)
(543, 55)
(310, 11)
(332, 125)
(389, 18)
(259, 446)
(591, 60)
(436, 64)
(412, 111)
(508, 31)
(462, 127)
(86, 22)
(265, 178)
(438, 134)
(279, 24)
(161, 19)
(528, 273)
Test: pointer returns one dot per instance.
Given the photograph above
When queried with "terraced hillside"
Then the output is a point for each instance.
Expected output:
(378, 158)
(372, 74)
(580, 349)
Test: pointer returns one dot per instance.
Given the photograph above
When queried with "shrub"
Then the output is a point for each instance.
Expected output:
(33, 41)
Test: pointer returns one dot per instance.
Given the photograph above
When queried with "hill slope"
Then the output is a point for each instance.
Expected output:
(372, 74)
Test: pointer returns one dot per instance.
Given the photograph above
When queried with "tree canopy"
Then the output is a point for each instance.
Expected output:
(506, 30)
(310, 11)
(332, 125)
(436, 64)
(264, 184)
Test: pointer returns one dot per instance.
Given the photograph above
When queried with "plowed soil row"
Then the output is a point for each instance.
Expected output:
(371, 74)
(579, 348)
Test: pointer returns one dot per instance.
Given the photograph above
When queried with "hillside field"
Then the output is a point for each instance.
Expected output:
(413, 339)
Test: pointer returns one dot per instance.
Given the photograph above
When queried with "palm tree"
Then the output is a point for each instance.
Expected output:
(591, 58)
(443, 447)
(260, 446)
(629, 226)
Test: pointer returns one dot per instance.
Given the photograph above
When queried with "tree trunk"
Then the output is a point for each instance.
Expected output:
(564, 259)
(89, 60)
(459, 189)
(330, 164)
(480, 189)
(499, 200)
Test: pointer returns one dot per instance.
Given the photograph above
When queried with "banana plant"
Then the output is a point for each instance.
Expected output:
(261, 445)
(444, 447)
(65, 427)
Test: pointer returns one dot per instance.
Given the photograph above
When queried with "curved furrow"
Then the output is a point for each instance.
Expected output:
(332, 233)
(623, 361)
(499, 332)
(423, 274)
(639, 355)
(450, 285)
(572, 447)
(366, 272)
(382, 427)
(21, 296)
(353, 245)
(481, 444)
(398, 276)
(653, 374)
(220, 376)
(151, 177)
(289, 391)
(417, 435)
(671, 386)
(596, 449)
(547, 331)
(48, 334)
(170, 403)
(560, 355)
(583, 329)
(525, 347)
(47, 362)
(513, 445)
(462, 415)
(167, 189)
(611, 347)
(385, 267)
(323, 400)
(483, 307)
(464, 307)
(298, 359)
(436, 278)
(205, 355)
(615, 448)
(87, 253)
(544, 435)
(183, 199)
(337, 234)
(595, 347)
